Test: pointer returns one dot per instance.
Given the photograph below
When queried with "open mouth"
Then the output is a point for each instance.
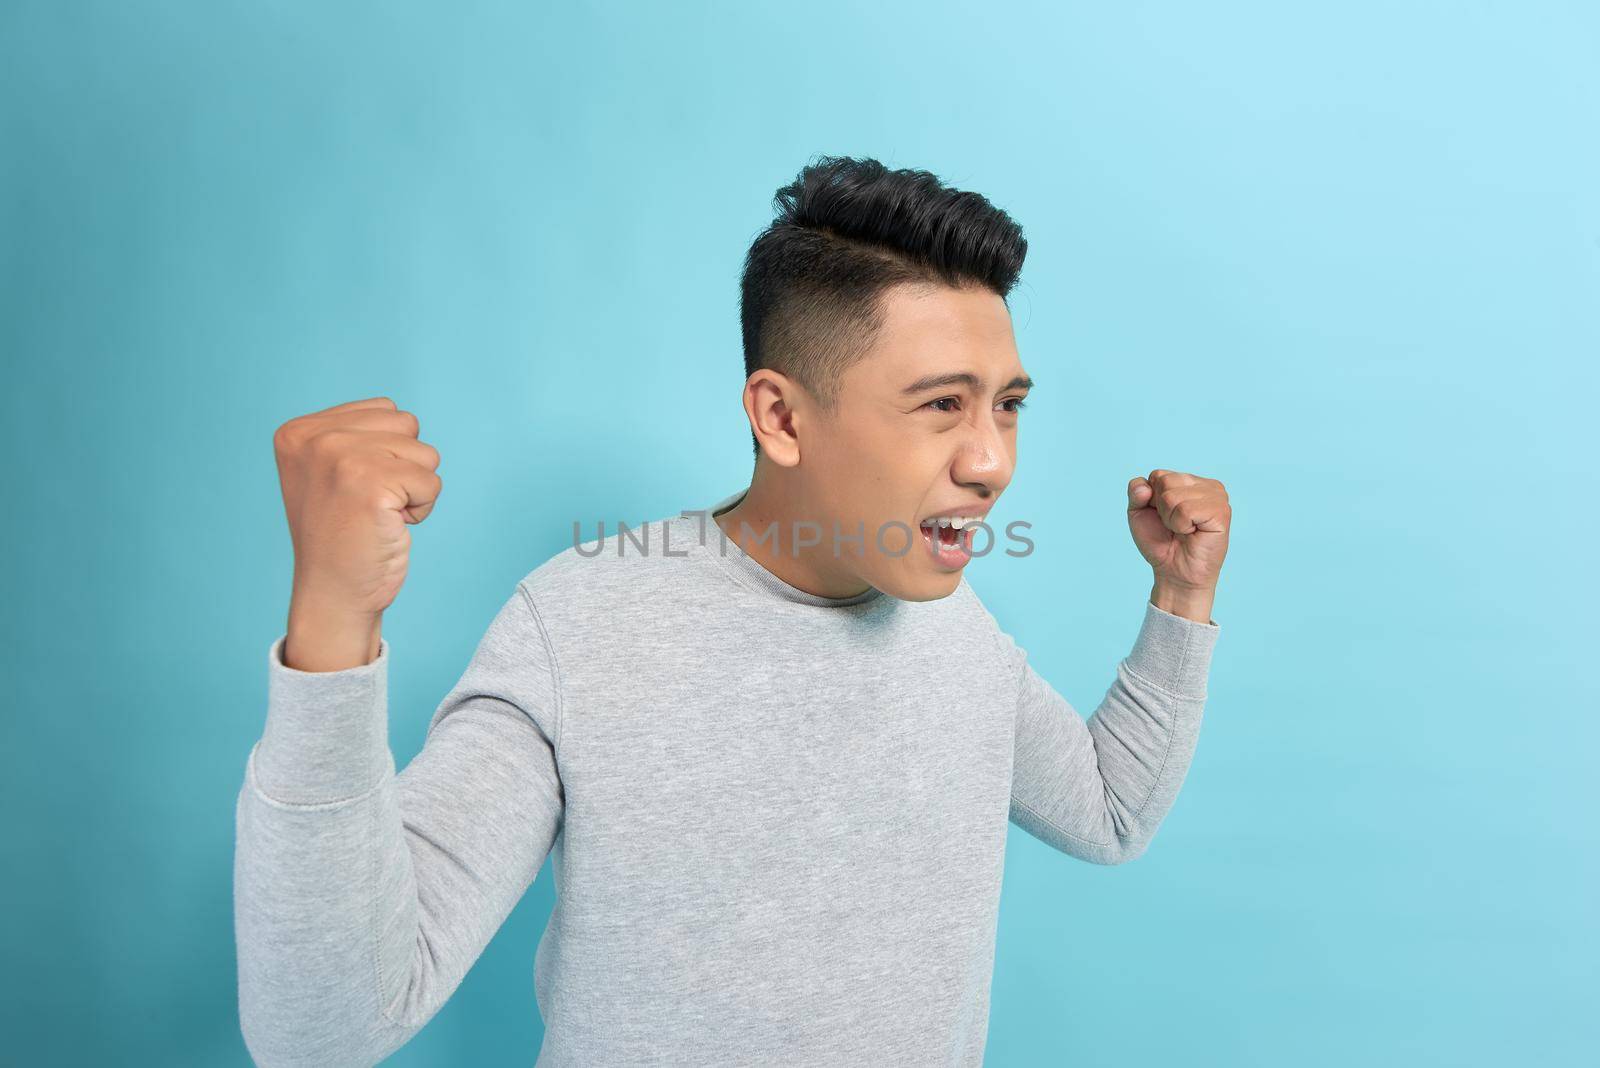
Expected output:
(949, 538)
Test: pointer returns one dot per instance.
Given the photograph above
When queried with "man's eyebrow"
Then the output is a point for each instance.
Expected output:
(962, 378)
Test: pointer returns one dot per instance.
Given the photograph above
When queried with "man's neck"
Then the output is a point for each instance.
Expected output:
(814, 570)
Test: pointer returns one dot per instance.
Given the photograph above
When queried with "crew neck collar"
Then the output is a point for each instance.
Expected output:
(751, 572)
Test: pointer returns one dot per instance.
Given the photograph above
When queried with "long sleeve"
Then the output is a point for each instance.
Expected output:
(1099, 790)
(362, 896)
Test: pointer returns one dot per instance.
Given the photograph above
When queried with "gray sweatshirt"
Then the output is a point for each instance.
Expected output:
(776, 821)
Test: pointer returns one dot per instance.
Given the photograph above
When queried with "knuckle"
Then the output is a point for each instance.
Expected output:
(349, 468)
(290, 435)
(326, 444)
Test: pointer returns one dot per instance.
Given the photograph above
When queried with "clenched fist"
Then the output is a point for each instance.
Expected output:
(354, 477)
(1180, 524)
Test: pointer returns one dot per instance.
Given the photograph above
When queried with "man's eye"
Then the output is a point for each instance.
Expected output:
(1018, 401)
(933, 403)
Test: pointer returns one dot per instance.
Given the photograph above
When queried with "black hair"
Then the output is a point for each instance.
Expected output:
(846, 230)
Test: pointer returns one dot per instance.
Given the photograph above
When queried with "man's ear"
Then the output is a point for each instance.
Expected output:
(768, 403)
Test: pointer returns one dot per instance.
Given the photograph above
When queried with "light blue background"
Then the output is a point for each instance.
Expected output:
(1345, 260)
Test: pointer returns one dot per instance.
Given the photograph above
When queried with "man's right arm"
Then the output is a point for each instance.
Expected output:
(362, 896)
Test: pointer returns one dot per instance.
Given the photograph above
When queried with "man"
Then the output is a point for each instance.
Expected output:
(773, 756)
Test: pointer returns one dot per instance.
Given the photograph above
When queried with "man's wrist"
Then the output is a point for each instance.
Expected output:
(321, 638)
(1188, 602)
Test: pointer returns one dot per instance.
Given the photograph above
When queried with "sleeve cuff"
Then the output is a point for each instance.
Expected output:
(1173, 652)
(327, 732)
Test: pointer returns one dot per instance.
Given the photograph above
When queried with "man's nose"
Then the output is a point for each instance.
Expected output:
(984, 459)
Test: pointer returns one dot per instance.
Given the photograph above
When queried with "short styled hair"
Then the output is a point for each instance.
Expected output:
(846, 230)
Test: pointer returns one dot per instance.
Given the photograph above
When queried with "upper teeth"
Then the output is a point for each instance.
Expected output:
(957, 521)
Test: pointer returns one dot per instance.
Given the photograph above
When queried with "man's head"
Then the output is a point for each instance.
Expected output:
(868, 294)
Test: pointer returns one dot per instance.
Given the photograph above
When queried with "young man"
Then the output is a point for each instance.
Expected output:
(773, 756)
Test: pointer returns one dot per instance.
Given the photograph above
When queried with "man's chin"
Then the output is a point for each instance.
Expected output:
(928, 585)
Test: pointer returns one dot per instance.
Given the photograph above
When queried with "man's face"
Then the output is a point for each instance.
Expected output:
(913, 440)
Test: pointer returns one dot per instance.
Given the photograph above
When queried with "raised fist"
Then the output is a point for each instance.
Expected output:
(354, 477)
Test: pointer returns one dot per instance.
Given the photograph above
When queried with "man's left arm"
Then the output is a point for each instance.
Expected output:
(1099, 790)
